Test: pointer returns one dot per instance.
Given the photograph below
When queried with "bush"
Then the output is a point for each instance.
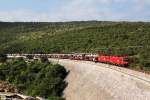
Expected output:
(36, 78)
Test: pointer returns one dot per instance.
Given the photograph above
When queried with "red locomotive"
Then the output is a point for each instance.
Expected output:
(121, 61)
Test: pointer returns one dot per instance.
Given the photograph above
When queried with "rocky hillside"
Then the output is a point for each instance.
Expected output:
(7, 87)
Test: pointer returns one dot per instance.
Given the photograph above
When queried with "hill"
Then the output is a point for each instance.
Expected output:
(85, 36)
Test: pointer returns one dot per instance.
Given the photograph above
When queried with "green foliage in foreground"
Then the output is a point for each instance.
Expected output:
(79, 37)
(36, 78)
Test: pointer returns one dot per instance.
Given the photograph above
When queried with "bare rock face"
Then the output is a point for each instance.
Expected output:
(6, 87)
(90, 81)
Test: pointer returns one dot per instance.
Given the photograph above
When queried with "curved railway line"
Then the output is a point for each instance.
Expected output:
(122, 70)
(145, 77)
(139, 75)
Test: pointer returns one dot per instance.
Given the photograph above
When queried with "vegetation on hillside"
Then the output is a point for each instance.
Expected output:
(83, 37)
(35, 78)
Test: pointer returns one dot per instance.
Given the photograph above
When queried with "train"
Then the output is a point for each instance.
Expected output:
(115, 60)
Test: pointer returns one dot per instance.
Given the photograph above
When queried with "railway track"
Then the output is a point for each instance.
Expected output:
(124, 71)
(138, 75)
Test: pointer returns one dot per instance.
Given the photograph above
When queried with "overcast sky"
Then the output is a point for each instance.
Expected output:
(74, 10)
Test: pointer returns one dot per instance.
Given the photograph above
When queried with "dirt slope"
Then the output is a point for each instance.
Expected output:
(89, 81)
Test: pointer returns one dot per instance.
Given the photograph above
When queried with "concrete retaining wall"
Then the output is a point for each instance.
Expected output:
(90, 81)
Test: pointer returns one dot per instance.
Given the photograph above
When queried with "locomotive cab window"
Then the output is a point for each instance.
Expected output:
(126, 59)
